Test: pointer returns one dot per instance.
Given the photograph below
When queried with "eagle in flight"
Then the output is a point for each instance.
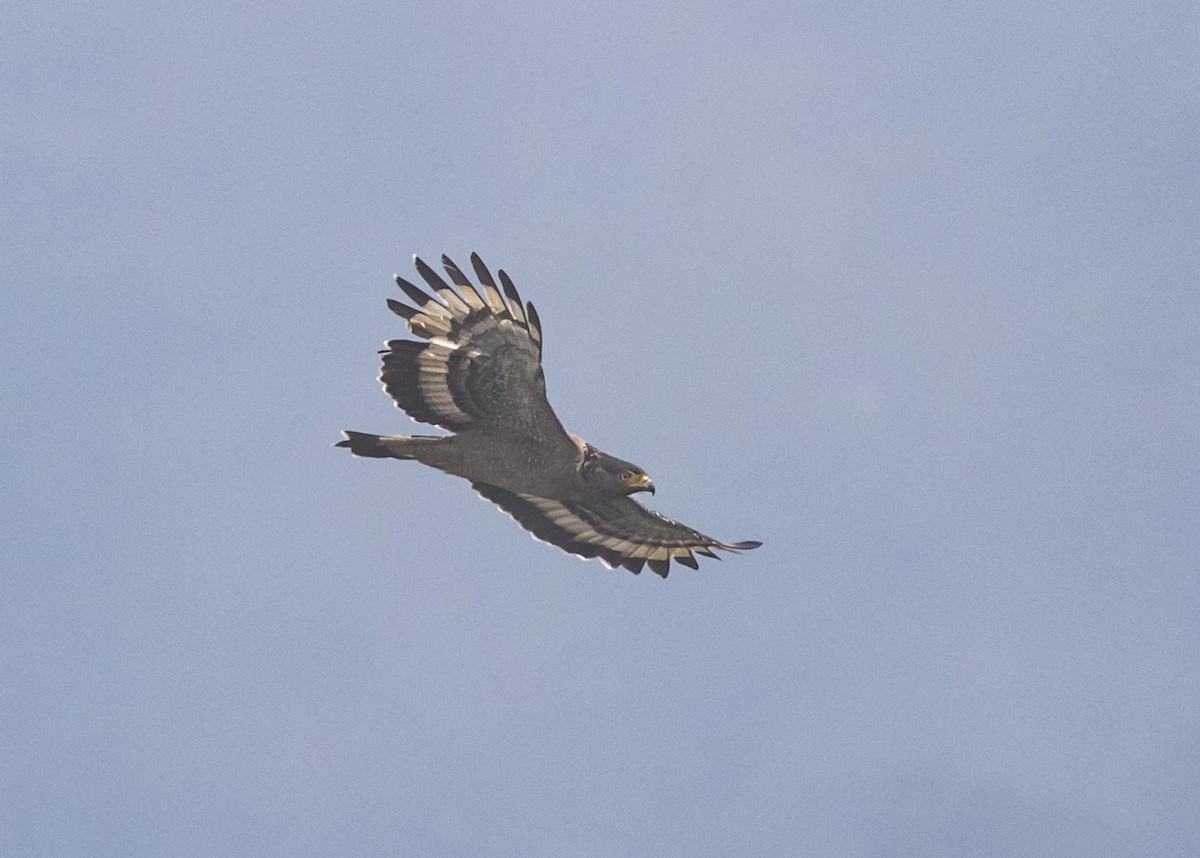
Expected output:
(478, 373)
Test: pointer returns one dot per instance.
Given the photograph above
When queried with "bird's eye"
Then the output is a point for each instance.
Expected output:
(627, 476)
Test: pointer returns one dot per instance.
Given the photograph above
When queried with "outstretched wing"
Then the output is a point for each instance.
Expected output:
(481, 367)
(620, 531)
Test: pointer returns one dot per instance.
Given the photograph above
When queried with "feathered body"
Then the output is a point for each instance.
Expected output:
(479, 375)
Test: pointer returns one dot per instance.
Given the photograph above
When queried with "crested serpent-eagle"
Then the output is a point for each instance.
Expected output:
(477, 371)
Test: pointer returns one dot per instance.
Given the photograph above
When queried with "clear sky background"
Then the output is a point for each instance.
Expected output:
(910, 292)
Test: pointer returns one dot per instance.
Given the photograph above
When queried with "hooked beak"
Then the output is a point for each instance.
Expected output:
(645, 485)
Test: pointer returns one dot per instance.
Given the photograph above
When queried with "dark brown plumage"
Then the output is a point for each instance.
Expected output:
(479, 375)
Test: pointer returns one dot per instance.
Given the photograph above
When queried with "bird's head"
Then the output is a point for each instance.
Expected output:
(611, 476)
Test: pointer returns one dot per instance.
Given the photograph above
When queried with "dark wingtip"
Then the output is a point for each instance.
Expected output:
(659, 567)
(687, 560)
(414, 293)
(430, 276)
(402, 310)
(510, 291)
(746, 545)
(454, 271)
(481, 271)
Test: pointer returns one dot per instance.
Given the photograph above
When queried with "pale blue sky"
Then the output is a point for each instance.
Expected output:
(908, 292)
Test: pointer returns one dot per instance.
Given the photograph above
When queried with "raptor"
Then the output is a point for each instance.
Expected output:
(477, 371)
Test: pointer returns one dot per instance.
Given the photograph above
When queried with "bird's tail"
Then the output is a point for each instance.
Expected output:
(385, 446)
